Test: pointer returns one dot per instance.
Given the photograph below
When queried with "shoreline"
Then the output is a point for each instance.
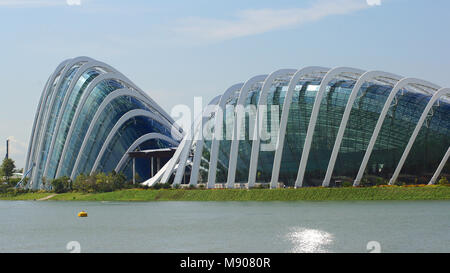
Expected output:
(287, 194)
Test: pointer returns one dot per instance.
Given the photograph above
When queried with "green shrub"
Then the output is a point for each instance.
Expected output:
(100, 182)
(347, 184)
(157, 186)
(443, 181)
(380, 181)
(4, 187)
(61, 185)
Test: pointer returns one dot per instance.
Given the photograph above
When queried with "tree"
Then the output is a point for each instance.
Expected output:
(82, 183)
(7, 168)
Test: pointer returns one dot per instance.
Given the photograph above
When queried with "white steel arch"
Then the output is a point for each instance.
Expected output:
(366, 77)
(48, 100)
(239, 115)
(439, 94)
(397, 88)
(218, 129)
(40, 115)
(268, 83)
(185, 145)
(30, 143)
(138, 142)
(113, 95)
(71, 63)
(86, 94)
(109, 69)
(199, 142)
(298, 76)
(197, 156)
(332, 74)
(46, 112)
(185, 151)
(128, 115)
(440, 168)
(85, 67)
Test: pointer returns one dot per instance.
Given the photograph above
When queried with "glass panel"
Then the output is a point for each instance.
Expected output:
(105, 122)
(67, 118)
(93, 101)
(125, 136)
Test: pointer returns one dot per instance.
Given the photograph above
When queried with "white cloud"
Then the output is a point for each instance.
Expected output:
(39, 3)
(74, 2)
(374, 2)
(257, 21)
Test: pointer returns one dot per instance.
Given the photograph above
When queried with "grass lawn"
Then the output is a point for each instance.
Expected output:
(306, 194)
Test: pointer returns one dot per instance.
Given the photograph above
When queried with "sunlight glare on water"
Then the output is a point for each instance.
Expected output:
(309, 240)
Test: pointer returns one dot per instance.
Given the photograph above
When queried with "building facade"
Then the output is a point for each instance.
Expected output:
(90, 116)
(310, 127)
(317, 127)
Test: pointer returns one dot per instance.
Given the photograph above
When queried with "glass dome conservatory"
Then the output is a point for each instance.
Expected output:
(314, 126)
(89, 117)
(317, 127)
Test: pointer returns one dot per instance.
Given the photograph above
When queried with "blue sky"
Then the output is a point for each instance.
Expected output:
(175, 50)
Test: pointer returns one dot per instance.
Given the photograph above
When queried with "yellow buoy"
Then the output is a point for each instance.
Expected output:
(82, 214)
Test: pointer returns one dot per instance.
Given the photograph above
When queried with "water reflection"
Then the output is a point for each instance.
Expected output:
(309, 240)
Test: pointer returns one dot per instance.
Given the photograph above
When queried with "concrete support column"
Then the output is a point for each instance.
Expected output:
(152, 173)
(134, 170)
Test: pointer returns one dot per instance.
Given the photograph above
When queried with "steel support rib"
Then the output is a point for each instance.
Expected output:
(332, 74)
(199, 144)
(62, 77)
(47, 113)
(218, 129)
(442, 92)
(196, 159)
(366, 77)
(187, 149)
(284, 117)
(184, 154)
(128, 115)
(88, 65)
(268, 83)
(115, 75)
(239, 117)
(85, 96)
(113, 95)
(184, 144)
(30, 143)
(138, 142)
(182, 163)
(397, 88)
(41, 119)
(38, 116)
(440, 168)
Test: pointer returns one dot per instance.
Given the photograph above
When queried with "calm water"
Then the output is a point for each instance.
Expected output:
(225, 226)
